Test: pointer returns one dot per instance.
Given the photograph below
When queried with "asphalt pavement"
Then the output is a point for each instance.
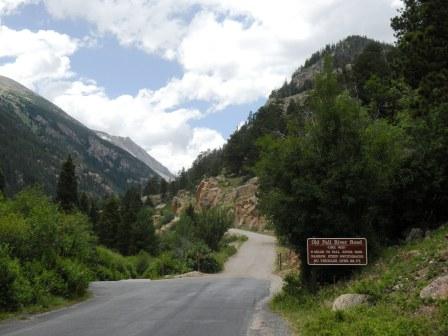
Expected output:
(229, 304)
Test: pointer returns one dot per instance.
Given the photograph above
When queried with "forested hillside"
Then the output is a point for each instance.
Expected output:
(355, 144)
(36, 137)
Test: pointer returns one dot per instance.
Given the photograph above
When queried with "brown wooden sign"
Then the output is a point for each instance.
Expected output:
(337, 251)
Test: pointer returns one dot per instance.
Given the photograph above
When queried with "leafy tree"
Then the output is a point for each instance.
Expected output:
(67, 188)
(208, 226)
(324, 181)
(49, 252)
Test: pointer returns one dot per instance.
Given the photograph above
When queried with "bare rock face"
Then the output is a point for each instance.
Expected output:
(208, 193)
(246, 211)
(436, 290)
(214, 191)
(347, 301)
(181, 201)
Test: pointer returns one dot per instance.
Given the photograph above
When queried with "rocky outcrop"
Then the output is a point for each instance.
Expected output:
(242, 200)
(347, 301)
(246, 211)
(436, 290)
(181, 201)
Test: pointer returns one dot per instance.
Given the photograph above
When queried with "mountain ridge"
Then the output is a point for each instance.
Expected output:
(37, 136)
(138, 152)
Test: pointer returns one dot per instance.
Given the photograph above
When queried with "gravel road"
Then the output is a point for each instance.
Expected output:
(229, 304)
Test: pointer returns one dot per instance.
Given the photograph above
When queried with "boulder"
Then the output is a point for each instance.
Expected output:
(436, 290)
(414, 234)
(347, 301)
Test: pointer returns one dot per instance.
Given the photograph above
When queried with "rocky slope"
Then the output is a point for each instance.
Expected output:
(131, 147)
(234, 194)
(36, 137)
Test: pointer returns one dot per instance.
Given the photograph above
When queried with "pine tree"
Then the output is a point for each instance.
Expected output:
(109, 221)
(143, 233)
(67, 188)
(93, 213)
(152, 187)
(422, 33)
(2, 181)
(131, 204)
(84, 205)
(163, 188)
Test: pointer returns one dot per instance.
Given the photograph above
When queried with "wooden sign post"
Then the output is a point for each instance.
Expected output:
(337, 251)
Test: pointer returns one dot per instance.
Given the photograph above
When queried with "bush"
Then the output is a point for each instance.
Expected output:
(211, 225)
(167, 215)
(15, 290)
(165, 264)
(141, 262)
(112, 266)
(48, 254)
(76, 277)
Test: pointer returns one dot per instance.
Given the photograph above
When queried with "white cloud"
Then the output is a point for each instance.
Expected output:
(9, 6)
(232, 52)
(41, 61)
(35, 57)
(167, 135)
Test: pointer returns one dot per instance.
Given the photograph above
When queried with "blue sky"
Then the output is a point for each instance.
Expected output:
(177, 76)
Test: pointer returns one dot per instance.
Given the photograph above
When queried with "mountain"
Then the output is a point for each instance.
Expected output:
(36, 137)
(130, 146)
(241, 152)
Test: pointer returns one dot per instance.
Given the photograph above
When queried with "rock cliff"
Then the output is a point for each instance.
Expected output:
(241, 199)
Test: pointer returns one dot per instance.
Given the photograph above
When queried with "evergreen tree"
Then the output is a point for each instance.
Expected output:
(108, 223)
(84, 204)
(2, 181)
(422, 33)
(152, 187)
(93, 213)
(131, 204)
(163, 188)
(421, 194)
(143, 233)
(67, 187)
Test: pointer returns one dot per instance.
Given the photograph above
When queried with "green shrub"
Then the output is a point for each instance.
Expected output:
(45, 282)
(211, 225)
(112, 266)
(167, 215)
(141, 262)
(75, 275)
(15, 290)
(165, 264)
(210, 264)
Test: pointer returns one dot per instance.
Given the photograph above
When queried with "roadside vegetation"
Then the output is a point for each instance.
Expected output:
(393, 282)
(51, 250)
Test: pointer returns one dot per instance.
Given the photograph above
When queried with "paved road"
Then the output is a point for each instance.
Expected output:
(230, 304)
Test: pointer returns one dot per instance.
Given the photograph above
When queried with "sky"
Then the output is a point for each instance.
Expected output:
(177, 76)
